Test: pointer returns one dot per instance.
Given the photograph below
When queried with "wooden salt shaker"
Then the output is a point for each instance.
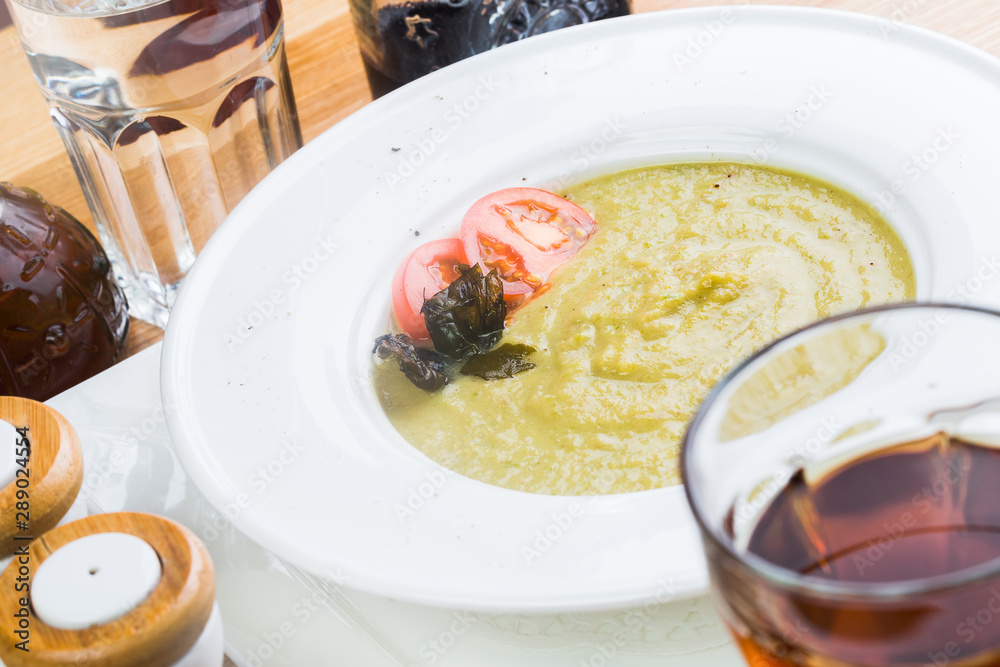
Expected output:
(112, 590)
(39, 490)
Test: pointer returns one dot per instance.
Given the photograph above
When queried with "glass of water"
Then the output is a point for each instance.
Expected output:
(171, 111)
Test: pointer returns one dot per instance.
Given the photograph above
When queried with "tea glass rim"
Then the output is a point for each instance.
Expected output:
(811, 584)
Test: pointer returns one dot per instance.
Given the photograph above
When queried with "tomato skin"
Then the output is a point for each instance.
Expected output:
(427, 271)
(525, 234)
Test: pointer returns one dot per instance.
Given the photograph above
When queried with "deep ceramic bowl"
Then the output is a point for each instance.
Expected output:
(267, 361)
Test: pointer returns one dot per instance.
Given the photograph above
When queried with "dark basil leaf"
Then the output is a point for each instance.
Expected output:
(467, 317)
(505, 361)
(425, 368)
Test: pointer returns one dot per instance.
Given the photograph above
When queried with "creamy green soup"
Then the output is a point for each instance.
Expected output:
(692, 268)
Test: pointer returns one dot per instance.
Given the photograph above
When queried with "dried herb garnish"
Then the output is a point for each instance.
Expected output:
(425, 368)
(467, 317)
(505, 361)
(465, 321)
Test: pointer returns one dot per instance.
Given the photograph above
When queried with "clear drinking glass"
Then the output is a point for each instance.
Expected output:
(171, 111)
(847, 484)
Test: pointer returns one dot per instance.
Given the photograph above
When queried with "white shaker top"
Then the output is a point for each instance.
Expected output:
(94, 580)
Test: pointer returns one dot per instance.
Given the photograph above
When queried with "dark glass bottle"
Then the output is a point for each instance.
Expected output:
(63, 317)
(402, 40)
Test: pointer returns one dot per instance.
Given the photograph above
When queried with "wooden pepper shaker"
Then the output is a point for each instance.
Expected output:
(112, 590)
(41, 472)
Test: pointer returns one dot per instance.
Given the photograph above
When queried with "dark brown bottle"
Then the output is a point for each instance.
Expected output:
(63, 317)
(402, 40)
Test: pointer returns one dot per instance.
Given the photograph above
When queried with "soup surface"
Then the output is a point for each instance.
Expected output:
(693, 267)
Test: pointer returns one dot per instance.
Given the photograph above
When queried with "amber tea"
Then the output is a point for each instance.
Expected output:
(850, 504)
(910, 512)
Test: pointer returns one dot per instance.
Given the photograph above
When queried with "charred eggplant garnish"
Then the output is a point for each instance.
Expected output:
(465, 320)
(425, 368)
(467, 317)
(505, 361)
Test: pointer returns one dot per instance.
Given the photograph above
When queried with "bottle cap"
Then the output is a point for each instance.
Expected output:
(156, 625)
(46, 482)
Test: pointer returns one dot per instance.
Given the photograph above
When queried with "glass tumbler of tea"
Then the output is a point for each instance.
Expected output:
(171, 111)
(846, 480)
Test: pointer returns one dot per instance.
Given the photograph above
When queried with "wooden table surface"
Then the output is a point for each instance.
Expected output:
(330, 84)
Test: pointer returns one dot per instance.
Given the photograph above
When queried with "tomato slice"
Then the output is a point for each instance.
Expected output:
(432, 267)
(525, 234)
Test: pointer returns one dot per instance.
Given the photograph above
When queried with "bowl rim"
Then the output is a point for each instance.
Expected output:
(178, 339)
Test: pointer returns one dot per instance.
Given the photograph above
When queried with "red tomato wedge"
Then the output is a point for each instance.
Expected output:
(432, 267)
(525, 234)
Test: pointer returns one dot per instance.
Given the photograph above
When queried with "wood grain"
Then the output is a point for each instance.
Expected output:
(330, 84)
(55, 472)
(156, 633)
